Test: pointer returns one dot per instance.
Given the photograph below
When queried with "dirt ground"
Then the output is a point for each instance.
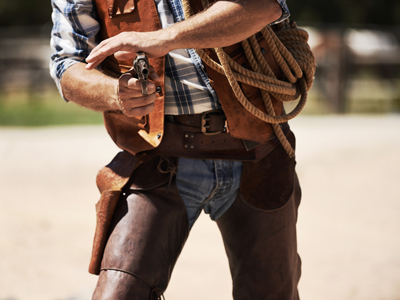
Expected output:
(348, 227)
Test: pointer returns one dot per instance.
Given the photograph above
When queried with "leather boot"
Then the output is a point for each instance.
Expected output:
(259, 230)
(149, 229)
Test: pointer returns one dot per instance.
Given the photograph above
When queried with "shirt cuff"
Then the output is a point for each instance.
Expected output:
(57, 70)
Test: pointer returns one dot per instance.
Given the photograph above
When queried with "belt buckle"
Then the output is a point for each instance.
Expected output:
(205, 126)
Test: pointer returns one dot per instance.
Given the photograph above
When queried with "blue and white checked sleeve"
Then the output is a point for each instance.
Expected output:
(73, 35)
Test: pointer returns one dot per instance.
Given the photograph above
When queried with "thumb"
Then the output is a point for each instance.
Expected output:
(153, 75)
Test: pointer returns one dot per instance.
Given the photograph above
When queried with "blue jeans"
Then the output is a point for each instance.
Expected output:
(211, 185)
(150, 225)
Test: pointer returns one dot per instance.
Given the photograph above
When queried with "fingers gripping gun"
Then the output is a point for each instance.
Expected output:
(141, 67)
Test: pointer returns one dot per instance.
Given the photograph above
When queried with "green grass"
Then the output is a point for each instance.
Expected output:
(47, 108)
(22, 109)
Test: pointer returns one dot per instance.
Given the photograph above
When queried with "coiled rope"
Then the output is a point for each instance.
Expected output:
(288, 45)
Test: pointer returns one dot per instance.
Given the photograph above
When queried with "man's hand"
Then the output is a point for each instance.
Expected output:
(225, 23)
(99, 92)
(131, 100)
(125, 46)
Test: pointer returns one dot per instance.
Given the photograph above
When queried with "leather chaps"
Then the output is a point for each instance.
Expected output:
(150, 227)
(148, 231)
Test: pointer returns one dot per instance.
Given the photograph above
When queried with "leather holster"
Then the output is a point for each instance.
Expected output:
(148, 230)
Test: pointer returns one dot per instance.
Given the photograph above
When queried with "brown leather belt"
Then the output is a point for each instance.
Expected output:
(210, 123)
(205, 136)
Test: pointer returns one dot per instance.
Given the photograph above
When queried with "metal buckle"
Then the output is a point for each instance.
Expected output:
(205, 125)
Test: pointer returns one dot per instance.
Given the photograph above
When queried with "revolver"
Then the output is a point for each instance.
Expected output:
(141, 67)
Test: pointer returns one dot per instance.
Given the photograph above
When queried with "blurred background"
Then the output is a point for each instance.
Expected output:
(356, 45)
(348, 145)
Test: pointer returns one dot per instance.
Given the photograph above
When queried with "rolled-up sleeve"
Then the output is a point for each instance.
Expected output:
(285, 12)
(73, 35)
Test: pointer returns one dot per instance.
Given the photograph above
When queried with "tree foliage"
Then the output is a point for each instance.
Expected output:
(348, 12)
(25, 12)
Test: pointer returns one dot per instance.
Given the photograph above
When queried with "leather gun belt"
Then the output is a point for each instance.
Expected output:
(205, 136)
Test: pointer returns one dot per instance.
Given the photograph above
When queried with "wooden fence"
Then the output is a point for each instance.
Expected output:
(353, 65)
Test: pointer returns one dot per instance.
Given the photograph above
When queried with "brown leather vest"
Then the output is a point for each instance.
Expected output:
(141, 134)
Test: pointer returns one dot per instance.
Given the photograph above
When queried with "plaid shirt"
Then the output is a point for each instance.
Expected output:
(187, 87)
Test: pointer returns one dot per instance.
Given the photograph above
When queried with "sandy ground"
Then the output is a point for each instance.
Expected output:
(348, 227)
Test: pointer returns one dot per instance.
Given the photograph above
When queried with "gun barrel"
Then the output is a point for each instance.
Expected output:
(143, 67)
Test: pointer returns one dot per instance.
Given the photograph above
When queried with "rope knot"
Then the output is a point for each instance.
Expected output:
(167, 165)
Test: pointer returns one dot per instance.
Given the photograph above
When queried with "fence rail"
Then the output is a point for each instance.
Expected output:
(344, 57)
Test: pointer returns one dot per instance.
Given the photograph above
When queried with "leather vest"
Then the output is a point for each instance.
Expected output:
(141, 134)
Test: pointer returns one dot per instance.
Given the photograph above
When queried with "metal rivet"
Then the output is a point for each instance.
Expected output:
(192, 147)
(158, 89)
(159, 136)
(192, 136)
(262, 50)
(186, 146)
(186, 135)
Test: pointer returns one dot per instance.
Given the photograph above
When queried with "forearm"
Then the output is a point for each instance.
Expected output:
(91, 89)
(223, 24)
(94, 90)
